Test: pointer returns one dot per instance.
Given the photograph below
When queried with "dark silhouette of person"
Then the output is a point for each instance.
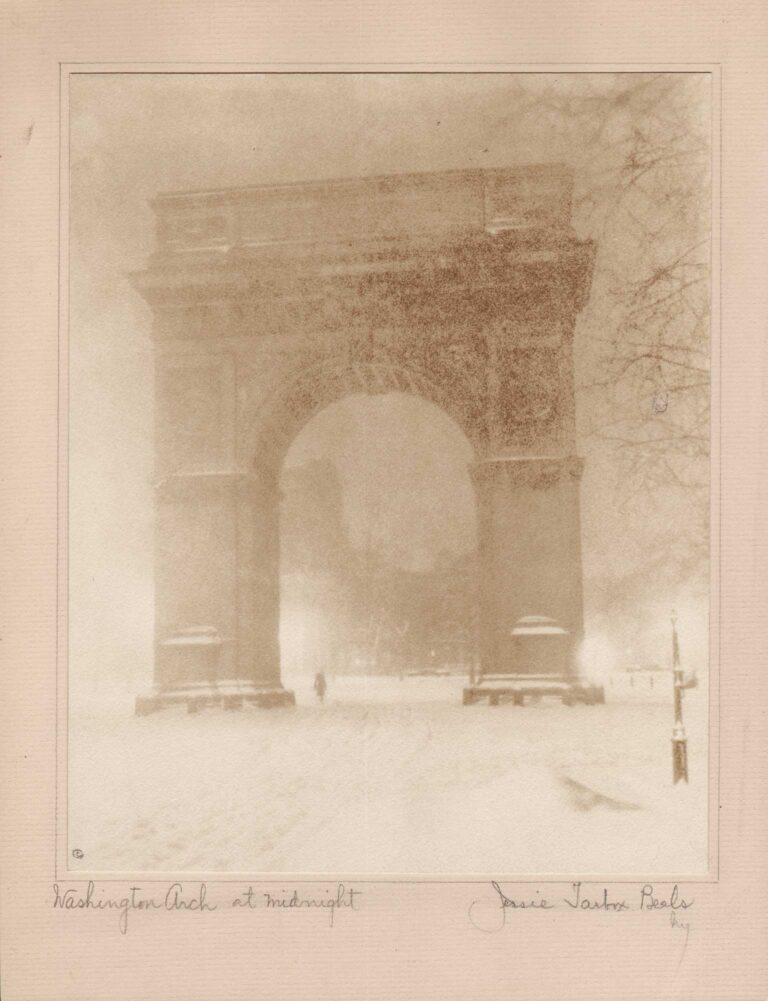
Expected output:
(320, 686)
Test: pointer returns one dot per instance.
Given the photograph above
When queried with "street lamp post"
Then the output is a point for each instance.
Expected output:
(679, 739)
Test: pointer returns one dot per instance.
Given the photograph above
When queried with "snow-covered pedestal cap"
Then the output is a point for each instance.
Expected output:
(538, 625)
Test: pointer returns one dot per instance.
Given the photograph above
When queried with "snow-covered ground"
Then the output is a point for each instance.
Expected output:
(392, 776)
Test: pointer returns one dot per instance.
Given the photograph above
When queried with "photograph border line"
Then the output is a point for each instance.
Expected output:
(715, 71)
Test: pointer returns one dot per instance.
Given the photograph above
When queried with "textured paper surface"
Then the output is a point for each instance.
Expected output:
(412, 937)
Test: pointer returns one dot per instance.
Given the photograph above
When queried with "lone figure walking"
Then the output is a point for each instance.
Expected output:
(320, 686)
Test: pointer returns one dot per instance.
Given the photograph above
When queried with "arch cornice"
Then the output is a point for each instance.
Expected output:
(246, 294)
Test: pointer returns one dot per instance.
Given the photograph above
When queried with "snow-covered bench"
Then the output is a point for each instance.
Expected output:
(516, 688)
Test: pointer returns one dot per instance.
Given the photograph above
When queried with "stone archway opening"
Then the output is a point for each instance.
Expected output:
(378, 554)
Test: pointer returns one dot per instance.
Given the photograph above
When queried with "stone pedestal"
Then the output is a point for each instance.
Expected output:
(217, 596)
(530, 554)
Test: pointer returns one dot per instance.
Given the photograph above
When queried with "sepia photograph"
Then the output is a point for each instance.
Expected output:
(388, 441)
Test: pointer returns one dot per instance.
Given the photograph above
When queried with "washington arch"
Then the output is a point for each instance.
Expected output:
(271, 302)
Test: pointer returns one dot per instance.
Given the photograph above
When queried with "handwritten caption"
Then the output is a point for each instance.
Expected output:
(487, 913)
(180, 897)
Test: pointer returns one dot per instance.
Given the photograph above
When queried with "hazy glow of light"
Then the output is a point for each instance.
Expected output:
(304, 637)
(597, 658)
